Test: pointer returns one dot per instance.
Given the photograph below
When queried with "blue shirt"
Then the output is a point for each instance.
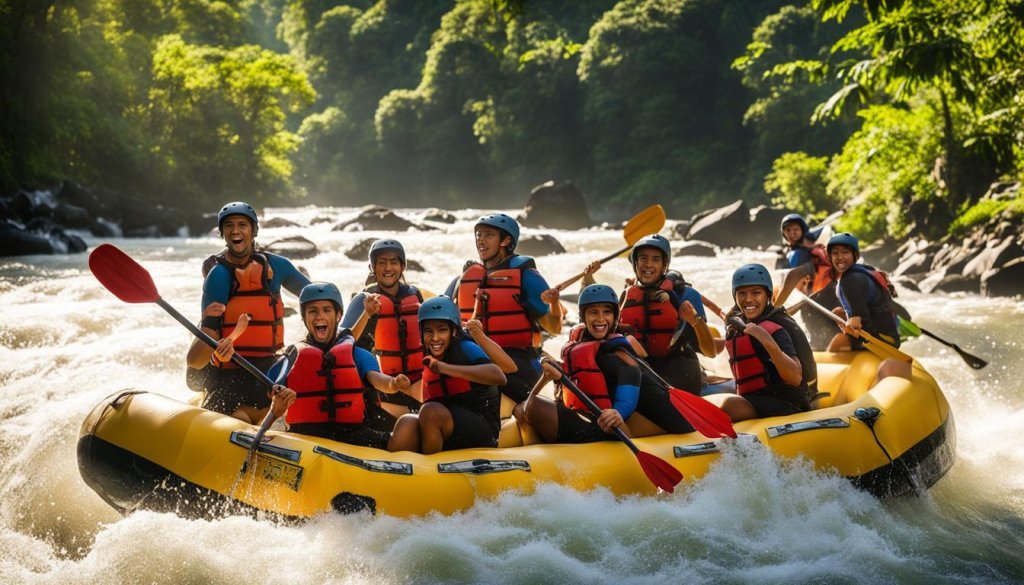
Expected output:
(217, 286)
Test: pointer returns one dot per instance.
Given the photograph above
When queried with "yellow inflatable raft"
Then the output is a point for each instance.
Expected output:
(142, 450)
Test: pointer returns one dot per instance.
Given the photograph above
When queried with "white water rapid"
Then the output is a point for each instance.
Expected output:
(66, 343)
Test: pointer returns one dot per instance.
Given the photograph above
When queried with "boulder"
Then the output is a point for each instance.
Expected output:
(322, 219)
(681, 228)
(694, 248)
(947, 281)
(554, 206)
(277, 222)
(539, 245)
(14, 241)
(72, 216)
(1005, 281)
(996, 253)
(414, 266)
(915, 264)
(361, 251)
(725, 227)
(439, 215)
(293, 248)
(374, 217)
(882, 254)
(97, 204)
(766, 225)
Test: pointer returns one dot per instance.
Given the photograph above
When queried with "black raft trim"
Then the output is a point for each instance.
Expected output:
(919, 468)
(367, 464)
(482, 466)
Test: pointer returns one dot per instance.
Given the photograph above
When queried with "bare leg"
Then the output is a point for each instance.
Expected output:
(737, 407)
(253, 416)
(435, 425)
(406, 436)
(841, 342)
(542, 415)
(893, 367)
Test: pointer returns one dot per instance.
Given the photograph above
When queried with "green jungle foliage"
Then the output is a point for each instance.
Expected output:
(901, 111)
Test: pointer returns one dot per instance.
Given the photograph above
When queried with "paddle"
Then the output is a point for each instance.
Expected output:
(682, 325)
(873, 344)
(131, 283)
(281, 368)
(972, 360)
(706, 418)
(649, 221)
(660, 472)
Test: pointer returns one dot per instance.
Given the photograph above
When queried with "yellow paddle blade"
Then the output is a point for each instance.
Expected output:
(649, 221)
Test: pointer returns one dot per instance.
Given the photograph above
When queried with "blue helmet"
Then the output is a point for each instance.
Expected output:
(439, 308)
(238, 208)
(751, 274)
(384, 245)
(795, 218)
(321, 291)
(844, 239)
(504, 223)
(599, 293)
(652, 241)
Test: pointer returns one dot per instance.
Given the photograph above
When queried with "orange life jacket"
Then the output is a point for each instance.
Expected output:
(580, 359)
(437, 386)
(251, 294)
(822, 269)
(396, 339)
(653, 322)
(747, 368)
(502, 307)
(327, 386)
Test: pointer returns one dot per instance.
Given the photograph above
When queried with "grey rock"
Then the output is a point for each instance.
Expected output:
(374, 217)
(726, 227)
(293, 248)
(702, 249)
(1005, 281)
(439, 215)
(539, 245)
(560, 206)
(995, 254)
(277, 222)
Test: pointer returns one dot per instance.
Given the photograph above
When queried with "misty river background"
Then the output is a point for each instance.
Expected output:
(65, 343)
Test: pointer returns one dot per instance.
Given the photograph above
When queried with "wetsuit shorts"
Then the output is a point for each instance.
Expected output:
(351, 434)
(520, 383)
(573, 427)
(471, 429)
(778, 401)
(227, 389)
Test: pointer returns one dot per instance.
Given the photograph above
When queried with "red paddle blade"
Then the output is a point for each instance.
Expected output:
(122, 276)
(660, 472)
(706, 418)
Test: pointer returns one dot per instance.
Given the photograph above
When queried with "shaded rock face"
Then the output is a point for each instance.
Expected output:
(539, 245)
(736, 226)
(293, 248)
(554, 206)
(986, 260)
(1005, 281)
(702, 249)
(374, 217)
(439, 215)
(277, 222)
(46, 238)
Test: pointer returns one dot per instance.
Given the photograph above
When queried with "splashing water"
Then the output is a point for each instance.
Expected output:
(65, 343)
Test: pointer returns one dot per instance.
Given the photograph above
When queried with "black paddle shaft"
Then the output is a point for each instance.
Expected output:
(972, 360)
(241, 361)
(595, 410)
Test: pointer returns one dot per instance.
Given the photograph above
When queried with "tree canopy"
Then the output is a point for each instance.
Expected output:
(878, 106)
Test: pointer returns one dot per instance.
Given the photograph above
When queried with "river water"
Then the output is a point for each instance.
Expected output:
(65, 343)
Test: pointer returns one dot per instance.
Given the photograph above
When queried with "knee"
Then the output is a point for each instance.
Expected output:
(432, 414)
(839, 343)
(894, 367)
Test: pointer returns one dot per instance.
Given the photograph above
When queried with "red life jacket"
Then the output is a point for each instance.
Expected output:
(250, 294)
(822, 269)
(580, 359)
(328, 386)
(747, 368)
(396, 339)
(437, 386)
(502, 310)
(653, 322)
